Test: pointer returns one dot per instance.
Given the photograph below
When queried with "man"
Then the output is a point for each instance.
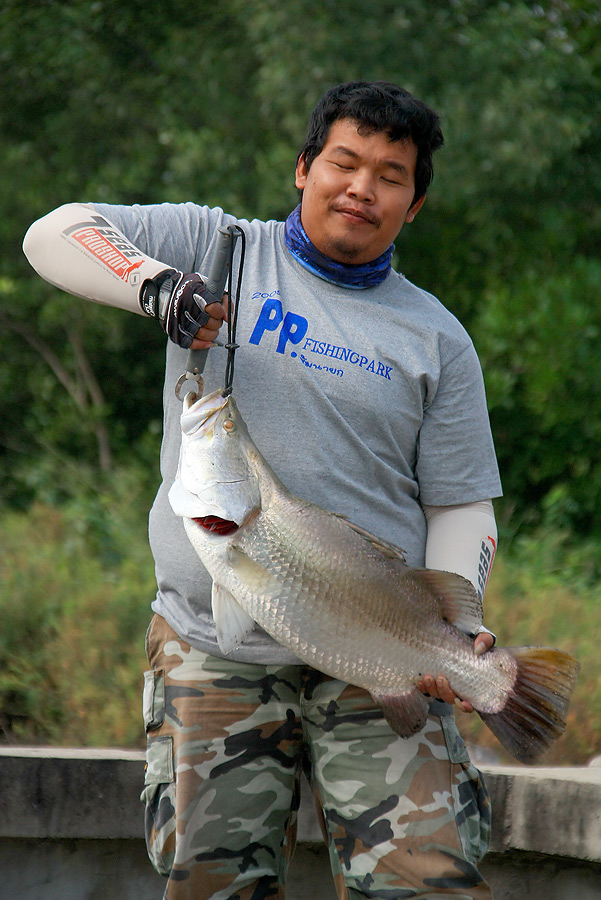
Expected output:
(366, 397)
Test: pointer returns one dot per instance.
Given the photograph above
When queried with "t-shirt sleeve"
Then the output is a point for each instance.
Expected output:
(182, 235)
(456, 460)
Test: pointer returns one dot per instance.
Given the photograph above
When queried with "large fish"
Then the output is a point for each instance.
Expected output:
(345, 601)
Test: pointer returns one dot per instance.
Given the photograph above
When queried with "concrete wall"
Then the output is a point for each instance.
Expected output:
(71, 829)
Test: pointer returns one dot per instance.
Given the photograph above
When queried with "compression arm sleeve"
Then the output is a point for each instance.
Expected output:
(462, 539)
(81, 252)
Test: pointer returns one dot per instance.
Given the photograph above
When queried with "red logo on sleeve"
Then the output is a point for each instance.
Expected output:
(108, 246)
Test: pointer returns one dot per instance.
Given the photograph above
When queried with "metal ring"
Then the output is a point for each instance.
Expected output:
(183, 379)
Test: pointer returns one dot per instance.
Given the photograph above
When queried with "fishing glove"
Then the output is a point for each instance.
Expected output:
(178, 301)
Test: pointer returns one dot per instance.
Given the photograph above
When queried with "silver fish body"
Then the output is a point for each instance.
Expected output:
(343, 600)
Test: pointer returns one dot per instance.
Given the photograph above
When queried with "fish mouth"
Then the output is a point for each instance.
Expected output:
(209, 420)
(222, 527)
(199, 416)
(216, 525)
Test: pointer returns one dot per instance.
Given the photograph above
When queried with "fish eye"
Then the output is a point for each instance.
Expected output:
(228, 425)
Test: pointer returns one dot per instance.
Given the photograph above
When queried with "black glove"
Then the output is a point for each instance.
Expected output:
(178, 301)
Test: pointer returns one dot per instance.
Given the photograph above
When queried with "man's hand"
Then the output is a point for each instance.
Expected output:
(189, 314)
(439, 688)
(218, 314)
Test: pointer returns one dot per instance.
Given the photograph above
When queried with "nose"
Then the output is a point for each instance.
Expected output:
(361, 186)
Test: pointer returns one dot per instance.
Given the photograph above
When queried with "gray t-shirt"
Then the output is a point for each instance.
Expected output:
(366, 402)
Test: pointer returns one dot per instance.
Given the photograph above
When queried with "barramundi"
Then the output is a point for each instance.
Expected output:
(345, 601)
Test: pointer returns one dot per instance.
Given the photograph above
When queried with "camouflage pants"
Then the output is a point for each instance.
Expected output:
(227, 743)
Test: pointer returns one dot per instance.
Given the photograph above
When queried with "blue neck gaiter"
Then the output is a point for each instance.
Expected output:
(359, 277)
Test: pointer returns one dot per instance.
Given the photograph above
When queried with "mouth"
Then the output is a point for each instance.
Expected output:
(216, 525)
(356, 216)
(199, 420)
(222, 527)
(209, 420)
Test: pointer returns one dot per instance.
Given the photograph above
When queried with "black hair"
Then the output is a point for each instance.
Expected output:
(378, 106)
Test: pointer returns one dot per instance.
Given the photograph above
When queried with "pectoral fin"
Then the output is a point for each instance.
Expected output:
(251, 573)
(232, 623)
(406, 713)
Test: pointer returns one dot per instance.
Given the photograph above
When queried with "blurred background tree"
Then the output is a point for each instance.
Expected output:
(149, 102)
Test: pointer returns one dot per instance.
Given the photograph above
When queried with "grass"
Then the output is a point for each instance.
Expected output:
(542, 594)
(72, 635)
(76, 585)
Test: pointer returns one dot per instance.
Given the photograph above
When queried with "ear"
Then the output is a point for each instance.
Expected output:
(301, 173)
(414, 209)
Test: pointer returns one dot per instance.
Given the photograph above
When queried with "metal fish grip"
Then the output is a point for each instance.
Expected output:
(221, 266)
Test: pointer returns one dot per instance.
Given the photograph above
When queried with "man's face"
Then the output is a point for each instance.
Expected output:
(358, 193)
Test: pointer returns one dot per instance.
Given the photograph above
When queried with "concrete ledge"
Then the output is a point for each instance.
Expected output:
(56, 793)
(71, 829)
(555, 811)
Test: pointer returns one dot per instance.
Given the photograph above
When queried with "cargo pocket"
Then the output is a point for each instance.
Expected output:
(471, 800)
(158, 795)
(153, 699)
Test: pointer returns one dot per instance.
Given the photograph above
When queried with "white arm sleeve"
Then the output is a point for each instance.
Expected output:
(81, 252)
(462, 539)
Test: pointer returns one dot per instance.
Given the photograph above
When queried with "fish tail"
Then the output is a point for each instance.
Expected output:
(535, 711)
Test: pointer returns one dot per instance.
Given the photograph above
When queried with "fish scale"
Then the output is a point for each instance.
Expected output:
(343, 600)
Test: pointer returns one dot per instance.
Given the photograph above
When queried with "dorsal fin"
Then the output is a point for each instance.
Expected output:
(385, 547)
(458, 599)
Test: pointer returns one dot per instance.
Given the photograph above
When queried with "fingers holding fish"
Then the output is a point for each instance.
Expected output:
(483, 642)
(439, 688)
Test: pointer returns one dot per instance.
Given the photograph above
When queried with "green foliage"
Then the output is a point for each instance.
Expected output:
(546, 592)
(539, 337)
(75, 592)
(77, 396)
(138, 102)
(148, 102)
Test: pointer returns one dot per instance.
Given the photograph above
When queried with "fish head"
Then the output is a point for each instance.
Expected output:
(216, 476)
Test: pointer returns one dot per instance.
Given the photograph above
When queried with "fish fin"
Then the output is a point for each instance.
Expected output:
(385, 547)
(251, 572)
(457, 596)
(232, 622)
(406, 712)
(536, 708)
